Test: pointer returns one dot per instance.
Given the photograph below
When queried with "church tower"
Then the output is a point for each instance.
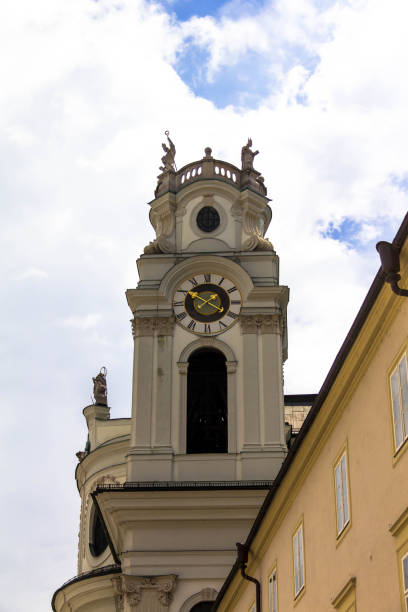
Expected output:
(209, 330)
(206, 437)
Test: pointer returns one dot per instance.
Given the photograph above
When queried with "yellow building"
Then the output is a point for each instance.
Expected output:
(332, 533)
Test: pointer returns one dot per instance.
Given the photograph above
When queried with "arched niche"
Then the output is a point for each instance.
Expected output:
(227, 356)
(207, 402)
(205, 595)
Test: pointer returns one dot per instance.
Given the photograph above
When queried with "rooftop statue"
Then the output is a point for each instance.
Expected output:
(170, 153)
(247, 156)
(100, 390)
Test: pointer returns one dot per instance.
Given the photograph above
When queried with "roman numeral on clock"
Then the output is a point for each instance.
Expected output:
(193, 281)
(191, 325)
(232, 315)
(231, 289)
(222, 324)
(235, 301)
(178, 303)
(181, 316)
(207, 278)
(207, 328)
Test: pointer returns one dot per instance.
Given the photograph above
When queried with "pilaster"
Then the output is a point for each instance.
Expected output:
(151, 408)
(251, 433)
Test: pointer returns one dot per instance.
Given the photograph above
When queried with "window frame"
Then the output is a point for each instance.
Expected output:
(399, 530)
(299, 555)
(404, 583)
(342, 462)
(273, 605)
(399, 447)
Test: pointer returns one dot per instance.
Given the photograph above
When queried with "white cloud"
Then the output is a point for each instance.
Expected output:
(83, 323)
(32, 273)
(87, 92)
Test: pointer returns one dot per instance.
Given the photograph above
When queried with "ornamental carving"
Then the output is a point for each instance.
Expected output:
(248, 324)
(146, 326)
(129, 590)
(254, 225)
(162, 219)
(267, 324)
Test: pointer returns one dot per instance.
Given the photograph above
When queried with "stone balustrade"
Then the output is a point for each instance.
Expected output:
(209, 168)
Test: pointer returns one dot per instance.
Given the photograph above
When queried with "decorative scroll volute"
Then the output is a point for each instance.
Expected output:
(162, 218)
(253, 226)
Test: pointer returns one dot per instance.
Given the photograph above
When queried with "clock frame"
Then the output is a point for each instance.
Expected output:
(207, 304)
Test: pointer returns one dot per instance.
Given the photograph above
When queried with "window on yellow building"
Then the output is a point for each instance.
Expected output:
(399, 394)
(405, 579)
(399, 530)
(273, 592)
(342, 493)
(298, 560)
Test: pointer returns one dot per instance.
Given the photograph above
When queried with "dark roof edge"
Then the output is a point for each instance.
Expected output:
(300, 399)
(107, 535)
(185, 486)
(341, 356)
(100, 571)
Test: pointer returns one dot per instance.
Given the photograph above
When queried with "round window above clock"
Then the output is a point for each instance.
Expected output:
(207, 304)
(208, 219)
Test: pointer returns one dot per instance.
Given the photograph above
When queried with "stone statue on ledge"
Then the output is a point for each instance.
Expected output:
(100, 390)
(247, 156)
(168, 160)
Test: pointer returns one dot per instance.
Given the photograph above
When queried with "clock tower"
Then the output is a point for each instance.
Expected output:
(209, 330)
(168, 493)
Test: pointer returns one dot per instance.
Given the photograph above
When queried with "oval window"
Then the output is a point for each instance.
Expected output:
(208, 219)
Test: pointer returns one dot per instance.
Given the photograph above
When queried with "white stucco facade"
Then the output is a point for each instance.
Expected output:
(172, 517)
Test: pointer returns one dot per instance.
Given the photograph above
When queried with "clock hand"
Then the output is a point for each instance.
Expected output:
(195, 295)
(212, 297)
(219, 308)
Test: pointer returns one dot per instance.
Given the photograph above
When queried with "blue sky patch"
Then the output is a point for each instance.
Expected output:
(244, 85)
(347, 231)
(400, 181)
(185, 9)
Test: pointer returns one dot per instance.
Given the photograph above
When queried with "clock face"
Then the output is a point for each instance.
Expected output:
(207, 304)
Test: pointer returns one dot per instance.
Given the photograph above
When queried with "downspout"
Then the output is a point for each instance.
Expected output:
(242, 559)
(390, 263)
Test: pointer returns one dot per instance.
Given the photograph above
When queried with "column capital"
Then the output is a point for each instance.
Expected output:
(146, 326)
(182, 366)
(129, 590)
(231, 366)
(270, 324)
(248, 324)
(266, 323)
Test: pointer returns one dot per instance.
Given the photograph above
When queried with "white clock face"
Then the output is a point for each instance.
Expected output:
(207, 304)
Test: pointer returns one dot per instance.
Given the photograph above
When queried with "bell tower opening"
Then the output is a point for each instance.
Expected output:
(207, 412)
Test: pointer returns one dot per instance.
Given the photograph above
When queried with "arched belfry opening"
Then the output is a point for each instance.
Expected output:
(207, 402)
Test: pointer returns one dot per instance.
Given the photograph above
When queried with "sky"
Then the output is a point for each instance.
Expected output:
(87, 90)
